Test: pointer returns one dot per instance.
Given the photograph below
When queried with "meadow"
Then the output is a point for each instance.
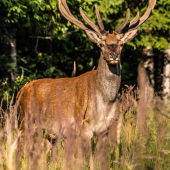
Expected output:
(141, 140)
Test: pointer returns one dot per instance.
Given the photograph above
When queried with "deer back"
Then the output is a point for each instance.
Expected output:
(63, 99)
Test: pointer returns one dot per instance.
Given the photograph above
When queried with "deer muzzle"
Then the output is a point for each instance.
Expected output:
(114, 56)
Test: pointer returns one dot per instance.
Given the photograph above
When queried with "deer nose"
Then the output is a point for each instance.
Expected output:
(114, 55)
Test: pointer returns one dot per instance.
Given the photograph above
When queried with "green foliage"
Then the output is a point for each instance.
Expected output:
(154, 32)
(69, 43)
(8, 90)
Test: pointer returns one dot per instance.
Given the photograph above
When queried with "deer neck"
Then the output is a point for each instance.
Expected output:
(108, 79)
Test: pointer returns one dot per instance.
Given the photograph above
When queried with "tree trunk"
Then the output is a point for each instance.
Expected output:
(13, 56)
(49, 56)
(95, 58)
(148, 64)
(166, 76)
(74, 69)
(158, 72)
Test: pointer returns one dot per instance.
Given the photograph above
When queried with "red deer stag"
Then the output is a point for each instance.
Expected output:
(89, 100)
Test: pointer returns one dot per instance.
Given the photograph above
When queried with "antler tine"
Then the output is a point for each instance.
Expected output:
(134, 19)
(122, 26)
(66, 7)
(99, 20)
(145, 16)
(83, 15)
(125, 29)
(96, 28)
(67, 14)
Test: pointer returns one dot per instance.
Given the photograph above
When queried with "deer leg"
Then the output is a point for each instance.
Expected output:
(102, 152)
(92, 161)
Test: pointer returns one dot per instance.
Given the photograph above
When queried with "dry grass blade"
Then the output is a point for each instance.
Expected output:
(148, 151)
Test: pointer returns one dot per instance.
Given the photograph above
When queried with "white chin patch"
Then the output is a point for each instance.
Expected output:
(114, 62)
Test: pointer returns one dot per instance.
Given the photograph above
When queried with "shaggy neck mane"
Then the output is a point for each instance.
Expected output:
(108, 79)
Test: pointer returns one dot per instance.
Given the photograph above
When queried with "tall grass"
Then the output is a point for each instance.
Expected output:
(140, 141)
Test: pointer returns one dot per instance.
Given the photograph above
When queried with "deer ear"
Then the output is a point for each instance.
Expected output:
(129, 36)
(93, 37)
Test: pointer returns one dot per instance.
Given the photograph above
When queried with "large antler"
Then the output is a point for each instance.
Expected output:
(91, 27)
(135, 23)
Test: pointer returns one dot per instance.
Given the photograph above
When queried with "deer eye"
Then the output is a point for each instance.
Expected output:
(121, 44)
(101, 45)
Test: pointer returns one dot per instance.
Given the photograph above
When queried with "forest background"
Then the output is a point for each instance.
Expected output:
(36, 41)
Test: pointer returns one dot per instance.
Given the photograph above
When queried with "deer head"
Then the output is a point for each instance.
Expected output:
(110, 44)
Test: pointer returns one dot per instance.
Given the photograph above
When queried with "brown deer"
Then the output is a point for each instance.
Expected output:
(87, 101)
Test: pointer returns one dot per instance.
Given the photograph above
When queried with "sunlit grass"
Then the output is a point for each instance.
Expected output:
(135, 149)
